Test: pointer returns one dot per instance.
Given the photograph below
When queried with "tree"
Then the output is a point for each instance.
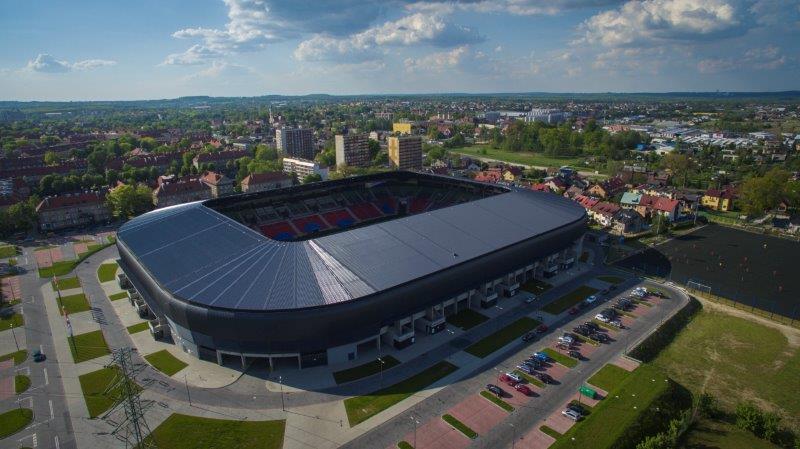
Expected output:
(750, 418)
(679, 165)
(327, 158)
(265, 153)
(761, 193)
(374, 148)
(51, 158)
(127, 201)
(313, 177)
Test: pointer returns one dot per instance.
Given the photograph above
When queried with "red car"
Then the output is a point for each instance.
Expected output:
(504, 378)
(573, 311)
(542, 328)
(523, 389)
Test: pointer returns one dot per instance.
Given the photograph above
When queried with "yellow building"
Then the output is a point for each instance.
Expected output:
(401, 127)
(721, 200)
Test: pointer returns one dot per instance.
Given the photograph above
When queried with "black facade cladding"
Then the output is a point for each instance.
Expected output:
(316, 328)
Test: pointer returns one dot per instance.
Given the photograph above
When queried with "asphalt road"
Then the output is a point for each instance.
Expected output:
(51, 427)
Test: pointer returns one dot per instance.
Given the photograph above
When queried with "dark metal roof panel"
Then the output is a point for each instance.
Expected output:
(206, 258)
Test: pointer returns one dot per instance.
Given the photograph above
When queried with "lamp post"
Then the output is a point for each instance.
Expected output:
(414, 420)
(280, 381)
(380, 361)
(11, 326)
(185, 382)
(513, 435)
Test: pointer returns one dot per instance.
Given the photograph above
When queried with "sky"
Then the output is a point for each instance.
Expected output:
(150, 49)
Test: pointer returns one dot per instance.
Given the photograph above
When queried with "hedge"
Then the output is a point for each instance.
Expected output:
(651, 346)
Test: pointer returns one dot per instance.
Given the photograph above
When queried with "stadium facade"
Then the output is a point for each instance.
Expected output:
(321, 271)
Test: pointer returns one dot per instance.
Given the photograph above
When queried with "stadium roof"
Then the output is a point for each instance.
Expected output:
(204, 257)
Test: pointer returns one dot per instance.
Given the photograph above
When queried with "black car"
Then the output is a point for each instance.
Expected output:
(575, 355)
(577, 408)
(38, 356)
(494, 389)
(581, 331)
(602, 338)
(546, 378)
(591, 325)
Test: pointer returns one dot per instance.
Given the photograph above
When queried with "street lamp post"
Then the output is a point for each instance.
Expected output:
(185, 382)
(14, 335)
(280, 381)
(414, 420)
(380, 361)
(513, 435)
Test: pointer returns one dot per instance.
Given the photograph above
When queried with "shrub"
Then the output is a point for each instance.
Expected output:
(648, 349)
(772, 427)
(750, 418)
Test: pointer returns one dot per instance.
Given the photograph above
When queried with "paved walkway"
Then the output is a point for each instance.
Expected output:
(7, 379)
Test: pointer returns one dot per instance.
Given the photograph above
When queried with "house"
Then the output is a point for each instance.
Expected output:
(174, 190)
(630, 200)
(557, 185)
(603, 213)
(627, 221)
(72, 210)
(719, 199)
(540, 187)
(260, 182)
(586, 202)
(219, 158)
(650, 205)
(489, 176)
(219, 184)
(573, 191)
(607, 188)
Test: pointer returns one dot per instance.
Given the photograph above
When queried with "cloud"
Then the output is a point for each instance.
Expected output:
(514, 7)
(765, 58)
(45, 63)
(414, 29)
(438, 61)
(654, 22)
(195, 55)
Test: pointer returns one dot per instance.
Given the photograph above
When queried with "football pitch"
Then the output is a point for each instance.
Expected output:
(754, 270)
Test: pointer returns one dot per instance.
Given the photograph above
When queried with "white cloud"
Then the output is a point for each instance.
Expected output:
(45, 63)
(195, 55)
(439, 61)
(765, 58)
(653, 22)
(415, 29)
(514, 7)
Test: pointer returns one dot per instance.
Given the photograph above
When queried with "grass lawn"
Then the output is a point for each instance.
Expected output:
(18, 356)
(569, 300)
(530, 379)
(13, 320)
(744, 360)
(184, 432)
(611, 279)
(361, 408)
(521, 157)
(66, 283)
(550, 431)
(8, 251)
(565, 360)
(165, 362)
(138, 327)
(717, 434)
(15, 420)
(94, 386)
(612, 416)
(88, 346)
(117, 296)
(75, 303)
(536, 287)
(404, 445)
(106, 272)
(367, 369)
(497, 401)
(21, 383)
(65, 267)
(466, 319)
(608, 377)
(502, 337)
(460, 426)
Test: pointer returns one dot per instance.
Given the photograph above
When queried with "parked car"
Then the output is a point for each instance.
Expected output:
(530, 299)
(616, 323)
(602, 338)
(541, 356)
(584, 331)
(495, 389)
(571, 414)
(529, 336)
(38, 356)
(577, 408)
(514, 377)
(506, 379)
(522, 388)
(573, 311)
(525, 368)
(542, 328)
(575, 354)
(591, 299)
(544, 377)
(601, 317)
(591, 325)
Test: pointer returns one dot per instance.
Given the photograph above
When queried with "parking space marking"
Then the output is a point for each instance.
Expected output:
(52, 416)
(46, 379)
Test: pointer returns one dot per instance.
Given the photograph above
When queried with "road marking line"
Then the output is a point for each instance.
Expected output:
(46, 379)
(35, 440)
(52, 416)
(56, 439)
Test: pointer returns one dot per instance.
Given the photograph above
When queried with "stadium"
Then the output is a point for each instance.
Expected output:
(318, 272)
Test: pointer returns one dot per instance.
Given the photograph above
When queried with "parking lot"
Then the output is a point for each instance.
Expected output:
(553, 364)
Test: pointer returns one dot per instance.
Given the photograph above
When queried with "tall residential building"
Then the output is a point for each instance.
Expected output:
(295, 142)
(352, 150)
(405, 152)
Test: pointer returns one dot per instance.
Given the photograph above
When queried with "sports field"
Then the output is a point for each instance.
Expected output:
(751, 269)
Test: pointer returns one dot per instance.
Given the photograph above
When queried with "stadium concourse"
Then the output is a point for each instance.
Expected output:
(316, 273)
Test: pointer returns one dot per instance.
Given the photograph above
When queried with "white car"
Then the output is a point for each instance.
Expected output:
(514, 377)
(602, 318)
(571, 414)
(591, 299)
(568, 339)
(530, 299)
